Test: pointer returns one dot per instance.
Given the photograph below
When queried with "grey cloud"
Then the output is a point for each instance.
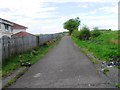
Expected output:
(5, 10)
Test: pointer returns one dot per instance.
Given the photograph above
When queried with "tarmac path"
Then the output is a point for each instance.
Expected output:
(64, 66)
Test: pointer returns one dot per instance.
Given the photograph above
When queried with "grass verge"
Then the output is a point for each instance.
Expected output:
(31, 56)
(92, 58)
(101, 47)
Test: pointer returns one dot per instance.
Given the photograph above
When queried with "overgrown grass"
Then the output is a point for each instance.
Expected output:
(100, 47)
(31, 56)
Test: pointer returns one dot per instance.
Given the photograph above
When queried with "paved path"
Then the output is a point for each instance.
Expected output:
(64, 66)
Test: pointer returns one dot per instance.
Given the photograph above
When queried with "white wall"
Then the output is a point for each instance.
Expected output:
(4, 32)
(18, 30)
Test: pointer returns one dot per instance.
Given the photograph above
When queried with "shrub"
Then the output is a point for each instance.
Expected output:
(95, 32)
(84, 33)
(76, 33)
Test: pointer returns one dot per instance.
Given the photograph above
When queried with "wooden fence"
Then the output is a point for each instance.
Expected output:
(0, 52)
(16, 45)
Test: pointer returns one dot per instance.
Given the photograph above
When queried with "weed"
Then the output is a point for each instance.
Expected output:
(118, 85)
(105, 71)
(11, 81)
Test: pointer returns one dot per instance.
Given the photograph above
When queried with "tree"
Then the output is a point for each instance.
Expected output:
(72, 24)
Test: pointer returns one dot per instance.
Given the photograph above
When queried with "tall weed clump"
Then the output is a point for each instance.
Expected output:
(95, 32)
(84, 33)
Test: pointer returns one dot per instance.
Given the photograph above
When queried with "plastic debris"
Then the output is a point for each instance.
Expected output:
(27, 64)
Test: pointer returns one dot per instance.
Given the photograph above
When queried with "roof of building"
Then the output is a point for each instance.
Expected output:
(6, 22)
(17, 26)
(22, 34)
(14, 25)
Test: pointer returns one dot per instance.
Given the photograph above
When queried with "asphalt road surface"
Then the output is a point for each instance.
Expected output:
(64, 66)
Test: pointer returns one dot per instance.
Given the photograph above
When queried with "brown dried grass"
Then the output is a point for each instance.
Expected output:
(117, 42)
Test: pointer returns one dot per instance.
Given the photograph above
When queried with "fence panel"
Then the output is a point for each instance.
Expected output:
(5, 47)
(0, 50)
(17, 45)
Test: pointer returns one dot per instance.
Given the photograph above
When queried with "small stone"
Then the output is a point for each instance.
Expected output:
(89, 85)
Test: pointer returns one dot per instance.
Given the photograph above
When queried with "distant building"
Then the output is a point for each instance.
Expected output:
(18, 28)
(7, 28)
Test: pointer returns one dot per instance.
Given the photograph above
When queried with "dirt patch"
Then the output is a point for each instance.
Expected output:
(117, 42)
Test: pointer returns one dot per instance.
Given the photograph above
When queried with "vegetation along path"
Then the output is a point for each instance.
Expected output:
(64, 66)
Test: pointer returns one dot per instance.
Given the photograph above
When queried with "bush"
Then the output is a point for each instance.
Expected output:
(76, 33)
(84, 33)
(95, 32)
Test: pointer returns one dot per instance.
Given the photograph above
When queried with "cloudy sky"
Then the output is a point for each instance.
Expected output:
(48, 16)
